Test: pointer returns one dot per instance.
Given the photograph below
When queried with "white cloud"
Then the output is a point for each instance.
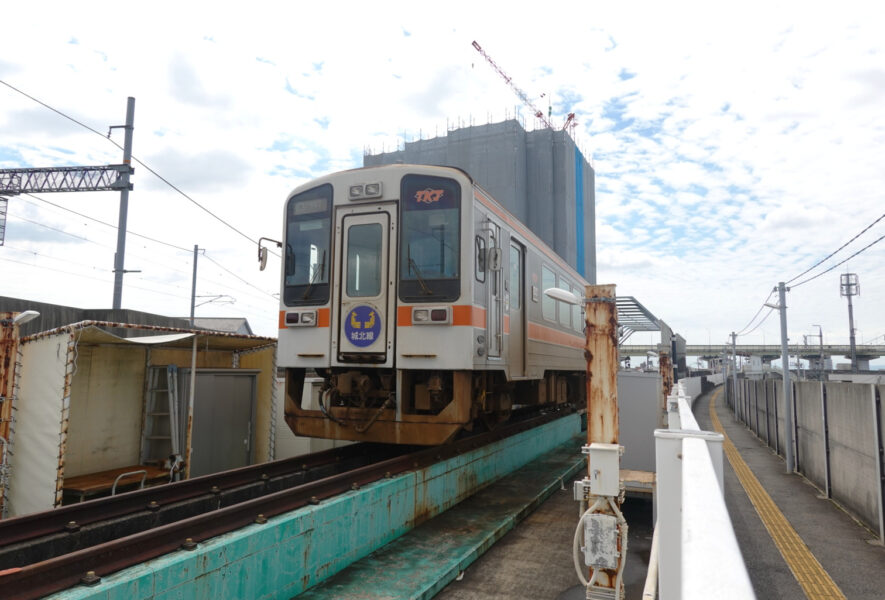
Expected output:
(748, 148)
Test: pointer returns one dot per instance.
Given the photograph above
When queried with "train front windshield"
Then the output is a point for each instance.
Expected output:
(308, 255)
(430, 237)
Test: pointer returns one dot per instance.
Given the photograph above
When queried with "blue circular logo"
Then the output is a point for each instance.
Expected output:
(362, 326)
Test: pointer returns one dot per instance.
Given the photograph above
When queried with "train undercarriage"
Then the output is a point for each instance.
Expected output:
(432, 406)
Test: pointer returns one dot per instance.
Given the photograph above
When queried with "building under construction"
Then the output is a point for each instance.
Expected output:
(540, 176)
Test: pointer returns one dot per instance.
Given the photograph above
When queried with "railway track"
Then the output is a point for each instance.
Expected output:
(79, 543)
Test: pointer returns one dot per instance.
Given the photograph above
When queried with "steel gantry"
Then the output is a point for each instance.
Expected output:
(104, 178)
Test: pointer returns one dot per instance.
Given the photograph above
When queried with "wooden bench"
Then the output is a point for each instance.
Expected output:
(112, 481)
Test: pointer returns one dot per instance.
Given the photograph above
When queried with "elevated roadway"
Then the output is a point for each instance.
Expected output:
(765, 351)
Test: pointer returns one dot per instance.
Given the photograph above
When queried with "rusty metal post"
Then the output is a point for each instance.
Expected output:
(8, 355)
(601, 352)
(665, 366)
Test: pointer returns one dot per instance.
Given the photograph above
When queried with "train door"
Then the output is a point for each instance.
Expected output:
(494, 314)
(516, 289)
(365, 288)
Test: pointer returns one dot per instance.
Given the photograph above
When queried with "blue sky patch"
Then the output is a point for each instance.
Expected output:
(322, 121)
(624, 75)
(614, 110)
(11, 155)
(295, 92)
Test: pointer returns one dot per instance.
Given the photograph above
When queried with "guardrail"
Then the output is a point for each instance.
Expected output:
(696, 549)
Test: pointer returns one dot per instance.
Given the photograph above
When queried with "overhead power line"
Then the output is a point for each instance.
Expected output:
(761, 308)
(136, 159)
(873, 243)
(829, 256)
(99, 221)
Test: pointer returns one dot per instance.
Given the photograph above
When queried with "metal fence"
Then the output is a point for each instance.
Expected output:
(693, 534)
(837, 433)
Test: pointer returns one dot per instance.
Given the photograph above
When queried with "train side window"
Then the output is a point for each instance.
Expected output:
(578, 310)
(480, 261)
(548, 304)
(565, 313)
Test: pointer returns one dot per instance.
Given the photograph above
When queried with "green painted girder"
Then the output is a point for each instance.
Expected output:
(422, 562)
(297, 550)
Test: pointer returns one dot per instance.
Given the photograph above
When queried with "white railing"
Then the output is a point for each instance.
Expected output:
(698, 555)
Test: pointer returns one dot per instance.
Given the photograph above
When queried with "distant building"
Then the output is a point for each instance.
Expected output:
(540, 176)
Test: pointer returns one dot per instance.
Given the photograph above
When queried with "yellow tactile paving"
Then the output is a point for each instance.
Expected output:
(815, 581)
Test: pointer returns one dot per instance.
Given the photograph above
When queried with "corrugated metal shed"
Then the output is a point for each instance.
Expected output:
(81, 402)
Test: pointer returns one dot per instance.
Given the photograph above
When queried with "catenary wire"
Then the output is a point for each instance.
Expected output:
(128, 231)
(873, 243)
(743, 330)
(823, 260)
(165, 265)
(136, 159)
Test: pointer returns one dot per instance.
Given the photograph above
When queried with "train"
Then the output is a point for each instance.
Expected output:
(412, 309)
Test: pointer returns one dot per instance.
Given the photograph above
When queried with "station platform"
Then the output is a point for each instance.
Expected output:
(796, 543)
(828, 554)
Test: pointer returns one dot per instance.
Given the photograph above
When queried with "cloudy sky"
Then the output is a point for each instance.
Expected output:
(735, 145)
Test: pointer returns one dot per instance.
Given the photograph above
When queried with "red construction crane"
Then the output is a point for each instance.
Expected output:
(522, 95)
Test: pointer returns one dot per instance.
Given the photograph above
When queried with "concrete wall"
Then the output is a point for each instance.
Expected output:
(535, 175)
(837, 437)
(638, 413)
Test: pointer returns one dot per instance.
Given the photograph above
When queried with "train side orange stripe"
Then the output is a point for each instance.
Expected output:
(282, 319)
(469, 315)
(546, 334)
(462, 315)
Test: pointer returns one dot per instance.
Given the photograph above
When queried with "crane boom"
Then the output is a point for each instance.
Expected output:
(522, 95)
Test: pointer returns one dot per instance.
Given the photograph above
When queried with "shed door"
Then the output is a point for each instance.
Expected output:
(223, 420)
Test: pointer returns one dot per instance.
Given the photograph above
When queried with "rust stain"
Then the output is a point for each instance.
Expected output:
(601, 353)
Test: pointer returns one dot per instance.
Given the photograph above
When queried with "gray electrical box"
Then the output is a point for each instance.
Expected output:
(601, 539)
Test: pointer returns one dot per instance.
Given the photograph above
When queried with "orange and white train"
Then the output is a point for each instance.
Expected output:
(413, 303)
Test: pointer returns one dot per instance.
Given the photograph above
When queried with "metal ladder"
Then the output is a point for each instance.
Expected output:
(159, 436)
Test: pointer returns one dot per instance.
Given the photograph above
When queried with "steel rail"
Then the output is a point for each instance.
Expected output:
(36, 525)
(39, 579)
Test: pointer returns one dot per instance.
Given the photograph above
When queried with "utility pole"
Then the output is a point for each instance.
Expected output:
(124, 205)
(194, 286)
(820, 337)
(785, 361)
(850, 287)
(734, 377)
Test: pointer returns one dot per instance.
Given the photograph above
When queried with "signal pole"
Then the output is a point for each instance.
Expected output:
(124, 205)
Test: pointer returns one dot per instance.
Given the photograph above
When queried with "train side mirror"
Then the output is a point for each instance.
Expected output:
(262, 252)
(494, 262)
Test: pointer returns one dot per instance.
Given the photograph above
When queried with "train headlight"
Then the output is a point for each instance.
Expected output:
(365, 191)
(302, 319)
(432, 315)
